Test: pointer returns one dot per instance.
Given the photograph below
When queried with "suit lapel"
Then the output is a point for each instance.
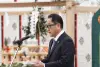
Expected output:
(50, 44)
(57, 44)
(54, 47)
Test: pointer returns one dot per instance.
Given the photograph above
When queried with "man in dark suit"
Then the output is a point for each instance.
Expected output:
(61, 47)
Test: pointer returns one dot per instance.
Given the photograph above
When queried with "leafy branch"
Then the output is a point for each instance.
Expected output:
(40, 26)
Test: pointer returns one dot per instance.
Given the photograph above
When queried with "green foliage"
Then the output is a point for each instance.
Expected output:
(27, 28)
(3, 65)
(29, 65)
(40, 26)
(16, 65)
(6, 41)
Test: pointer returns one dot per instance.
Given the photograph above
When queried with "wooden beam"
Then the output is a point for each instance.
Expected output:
(32, 4)
(19, 13)
(16, 13)
(86, 8)
(28, 12)
(54, 11)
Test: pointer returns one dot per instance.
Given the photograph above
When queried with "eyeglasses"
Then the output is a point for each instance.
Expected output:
(50, 25)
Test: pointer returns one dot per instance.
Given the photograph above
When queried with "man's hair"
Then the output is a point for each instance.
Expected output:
(56, 19)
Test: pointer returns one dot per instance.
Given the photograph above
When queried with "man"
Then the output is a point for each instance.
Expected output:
(61, 47)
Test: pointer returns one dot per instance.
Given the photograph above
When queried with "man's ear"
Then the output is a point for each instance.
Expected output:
(58, 25)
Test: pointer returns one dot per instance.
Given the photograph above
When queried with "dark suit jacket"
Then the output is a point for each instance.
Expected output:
(62, 54)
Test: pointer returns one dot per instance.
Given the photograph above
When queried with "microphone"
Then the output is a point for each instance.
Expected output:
(22, 39)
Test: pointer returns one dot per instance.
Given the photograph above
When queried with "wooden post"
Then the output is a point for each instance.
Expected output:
(70, 19)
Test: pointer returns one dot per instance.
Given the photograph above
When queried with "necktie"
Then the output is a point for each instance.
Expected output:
(52, 45)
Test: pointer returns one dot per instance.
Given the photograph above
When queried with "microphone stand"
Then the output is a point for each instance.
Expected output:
(19, 44)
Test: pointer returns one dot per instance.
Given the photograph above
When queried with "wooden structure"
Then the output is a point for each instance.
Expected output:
(31, 4)
(68, 11)
(71, 8)
(20, 57)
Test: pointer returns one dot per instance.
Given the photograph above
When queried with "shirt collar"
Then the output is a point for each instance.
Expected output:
(56, 38)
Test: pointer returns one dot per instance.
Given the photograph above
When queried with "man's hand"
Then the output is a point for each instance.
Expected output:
(38, 64)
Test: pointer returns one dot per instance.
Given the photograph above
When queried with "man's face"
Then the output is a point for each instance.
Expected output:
(52, 28)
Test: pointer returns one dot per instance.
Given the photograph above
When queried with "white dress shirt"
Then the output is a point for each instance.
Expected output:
(61, 32)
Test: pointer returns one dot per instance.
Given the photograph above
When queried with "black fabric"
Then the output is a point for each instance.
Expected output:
(62, 54)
